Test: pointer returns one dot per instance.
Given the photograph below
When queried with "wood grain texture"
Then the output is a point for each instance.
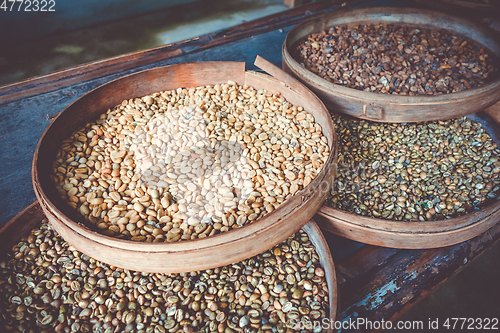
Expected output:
(218, 250)
(386, 107)
(390, 287)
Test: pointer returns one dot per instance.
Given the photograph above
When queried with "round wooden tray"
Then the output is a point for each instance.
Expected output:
(215, 251)
(414, 235)
(21, 225)
(394, 108)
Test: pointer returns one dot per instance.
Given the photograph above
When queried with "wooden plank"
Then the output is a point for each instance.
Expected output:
(387, 291)
(363, 260)
(68, 15)
(95, 69)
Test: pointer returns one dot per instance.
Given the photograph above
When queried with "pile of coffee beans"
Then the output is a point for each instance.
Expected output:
(414, 172)
(393, 59)
(48, 286)
(189, 163)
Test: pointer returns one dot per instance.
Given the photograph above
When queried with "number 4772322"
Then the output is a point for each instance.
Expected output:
(28, 6)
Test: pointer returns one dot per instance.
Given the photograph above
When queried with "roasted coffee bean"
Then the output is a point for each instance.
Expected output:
(394, 59)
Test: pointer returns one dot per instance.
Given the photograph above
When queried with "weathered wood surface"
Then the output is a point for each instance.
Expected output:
(378, 283)
(374, 283)
(27, 108)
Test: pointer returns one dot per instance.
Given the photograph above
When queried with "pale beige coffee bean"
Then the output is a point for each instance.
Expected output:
(190, 157)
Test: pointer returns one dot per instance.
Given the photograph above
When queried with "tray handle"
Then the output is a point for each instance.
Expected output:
(373, 112)
(277, 73)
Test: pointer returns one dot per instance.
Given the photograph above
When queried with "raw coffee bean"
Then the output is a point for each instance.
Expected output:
(86, 295)
(414, 172)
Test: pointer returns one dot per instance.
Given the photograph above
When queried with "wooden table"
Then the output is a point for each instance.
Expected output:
(374, 283)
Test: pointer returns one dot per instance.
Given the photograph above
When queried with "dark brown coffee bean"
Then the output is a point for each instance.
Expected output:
(386, 58)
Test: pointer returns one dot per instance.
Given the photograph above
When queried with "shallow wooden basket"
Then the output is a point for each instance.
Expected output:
(185, 256)
(30, 218)
(415, 235)
(394, 108)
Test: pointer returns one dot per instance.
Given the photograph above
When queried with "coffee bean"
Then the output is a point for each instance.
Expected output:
(85, 295)
(414, 172)
(394, 59)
